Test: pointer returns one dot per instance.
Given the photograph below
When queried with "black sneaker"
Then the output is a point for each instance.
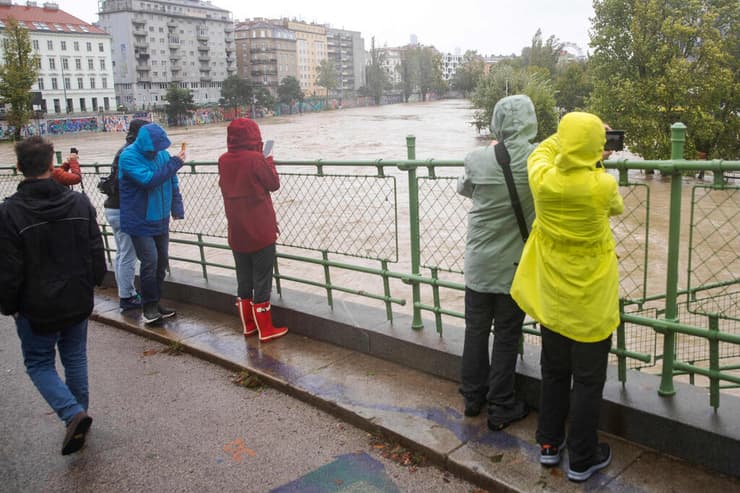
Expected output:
(473, 408)
(501, 417)
(76, 431)
(130, 303)
(550, 454)
(583, 471)
(151, 313)
(166, 312)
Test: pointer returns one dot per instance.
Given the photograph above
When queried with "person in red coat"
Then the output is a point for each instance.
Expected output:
(246, 178)
(69, 173)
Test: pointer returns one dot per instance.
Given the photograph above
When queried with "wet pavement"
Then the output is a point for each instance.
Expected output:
(418, 410)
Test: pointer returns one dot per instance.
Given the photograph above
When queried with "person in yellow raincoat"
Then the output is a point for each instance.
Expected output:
(568, 281)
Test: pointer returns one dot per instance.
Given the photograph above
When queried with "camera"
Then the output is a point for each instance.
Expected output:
(614, 140)
(73, 150)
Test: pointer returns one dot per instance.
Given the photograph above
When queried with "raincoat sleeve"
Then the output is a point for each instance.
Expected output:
(616, 203)
(465, 185)
(178, 208)
(69, 173)
(542, 159)
(145, 176)
(268, 175)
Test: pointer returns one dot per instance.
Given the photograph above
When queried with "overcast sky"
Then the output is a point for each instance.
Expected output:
(491, 27)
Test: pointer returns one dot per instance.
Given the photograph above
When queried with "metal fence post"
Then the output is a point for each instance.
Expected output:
(414, 232)
(678, 138)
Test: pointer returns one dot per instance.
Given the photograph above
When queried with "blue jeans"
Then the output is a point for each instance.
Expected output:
(153, 255)
(66, 398)
(124, 266)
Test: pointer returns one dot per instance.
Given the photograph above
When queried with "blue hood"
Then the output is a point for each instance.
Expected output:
(151, 137)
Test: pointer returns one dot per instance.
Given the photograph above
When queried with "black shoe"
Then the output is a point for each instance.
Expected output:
(583, 471)
(501, 417)
(130, 303)
(151, 313)
(550, 454)
(76, 431)
(166, 312)
(473, 408)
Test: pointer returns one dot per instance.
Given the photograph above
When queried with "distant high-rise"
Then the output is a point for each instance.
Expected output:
(160, 42)
(265, 52)
(346, 49)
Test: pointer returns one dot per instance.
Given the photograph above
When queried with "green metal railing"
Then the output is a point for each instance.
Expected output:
(342, 223)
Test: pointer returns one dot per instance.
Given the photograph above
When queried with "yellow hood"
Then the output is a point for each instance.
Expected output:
(582, 137)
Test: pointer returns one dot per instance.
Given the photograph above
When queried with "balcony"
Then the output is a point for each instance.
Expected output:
(141, 53)
(205, 69)
(143, 68)
(204, 58)
(141, 44)
(205, 78)
(139, 31)
(202, 37)
(174, 45)
(172, 23)
(137, 21)
(229, 28)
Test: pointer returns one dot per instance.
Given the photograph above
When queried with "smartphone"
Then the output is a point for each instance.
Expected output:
(183, 146)
(614, 140)
(267, 148)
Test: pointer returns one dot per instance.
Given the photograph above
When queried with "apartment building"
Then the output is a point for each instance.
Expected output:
(265, 52)
(450, 62)
(75, 65)
(160, 42)
(391, 63)
(346, 49)
(311, 49)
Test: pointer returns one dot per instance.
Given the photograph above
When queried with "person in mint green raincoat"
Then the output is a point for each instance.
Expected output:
(494, 245)
(568, 281)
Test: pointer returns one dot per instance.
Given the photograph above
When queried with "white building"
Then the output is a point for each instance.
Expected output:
(160, 42)
(76, 69)
(450, 62)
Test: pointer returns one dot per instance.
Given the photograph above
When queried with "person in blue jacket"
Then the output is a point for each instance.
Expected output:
(149, 195)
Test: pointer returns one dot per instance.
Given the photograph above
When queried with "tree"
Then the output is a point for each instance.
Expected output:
(18, 73)
(236, 92)
(327, 77)
(656, 63)
(376, 77)
(179, 104)
(542, 54)
(409, 71)
(468, 73)
(431, 79)
(289, 91)
(573, 86)
(506, 80)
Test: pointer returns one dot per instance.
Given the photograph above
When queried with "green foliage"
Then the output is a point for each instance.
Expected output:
(431, 78)
(376, 77)
(468, 73)
(289, 91)
(542, 54)
(659, 62)
(506, 80)
(179, 104)
(327, 76)
(573, 86)
(17, 74)
(409, 71)
(236, 92)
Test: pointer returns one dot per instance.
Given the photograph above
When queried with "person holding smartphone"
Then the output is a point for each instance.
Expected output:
(246, 177)
(69, 173)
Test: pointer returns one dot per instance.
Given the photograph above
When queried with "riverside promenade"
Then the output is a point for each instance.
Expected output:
(414, 408)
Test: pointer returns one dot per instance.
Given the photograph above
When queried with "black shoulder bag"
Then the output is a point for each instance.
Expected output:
(503, 159)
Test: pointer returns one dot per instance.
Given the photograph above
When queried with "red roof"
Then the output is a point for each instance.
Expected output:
(42, 19)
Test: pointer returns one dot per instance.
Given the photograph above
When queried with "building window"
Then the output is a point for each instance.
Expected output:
(67, 83)
(77, 45)
(91, 64)
(106, 103)
(92, 82)
(52, 64)
(65, 63)
(40, 83)
(57, 106)
(94, 102)
(100, 47)
(49, 45)
(105, 83)
(78, 64)
(36, 44)
(54, 84)
(70, 106)
(80, 85)
(64, 45)
(82, 104)
(88, 45)
(102, 64)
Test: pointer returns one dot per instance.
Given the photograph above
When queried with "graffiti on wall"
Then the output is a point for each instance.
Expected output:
(72, 125)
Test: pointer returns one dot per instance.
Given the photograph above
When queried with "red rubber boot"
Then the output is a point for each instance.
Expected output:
(263, 318)
(245, 313)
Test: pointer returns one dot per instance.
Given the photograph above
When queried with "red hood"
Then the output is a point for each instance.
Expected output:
(243, 133)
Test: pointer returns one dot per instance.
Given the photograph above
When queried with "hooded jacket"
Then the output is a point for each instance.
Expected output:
(113, 201)
(494, 242)
(52, 255)
(246, 179)
(147, 182)
(568, 277)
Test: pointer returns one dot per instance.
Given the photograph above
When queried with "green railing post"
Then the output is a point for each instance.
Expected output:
(714, 364)
(678, 138)
(202, 256)
(327, 278)
(387, 290)
(414, 232)
(622, 345)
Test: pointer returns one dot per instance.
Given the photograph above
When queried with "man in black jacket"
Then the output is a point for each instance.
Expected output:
(52, 258)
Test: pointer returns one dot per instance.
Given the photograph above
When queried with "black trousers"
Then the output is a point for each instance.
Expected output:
(485, 378)
(561, 360)
(254, 274)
